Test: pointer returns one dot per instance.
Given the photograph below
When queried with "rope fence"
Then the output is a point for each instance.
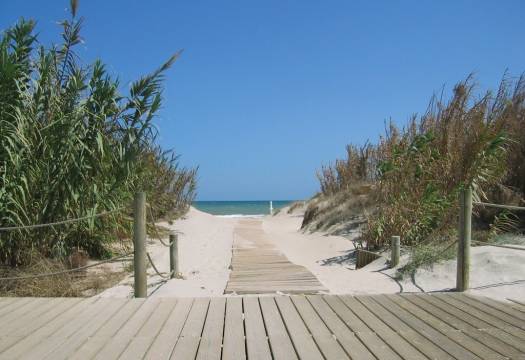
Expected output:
(37, 276)
(140, 256)
(68, 221)
(161, 274)
(499, 206)
(466, 204)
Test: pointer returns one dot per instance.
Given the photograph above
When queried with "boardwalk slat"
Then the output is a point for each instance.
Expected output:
(342, 333)
(66, 349)
(492, 321)
(259, 268)
(509, 310)
(58, 337)
(467, 342)
(29, 315)
(426, 330)
(188, 343)
(301, 338)
(408, 326)
(417, 340)
(13, 305)
(167, 337)
(234, 345)
(396, 342)
(119, 342)
(483, 337)
(491, 309)
(280, 343)
(66, 313)
(139, 345)
(104, 334)
(322, 336)
(257, 345)
(211, 343)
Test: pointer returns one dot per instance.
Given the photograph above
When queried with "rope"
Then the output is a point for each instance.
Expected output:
(510, 207)
(66, 271)
(152, 219)
(162, 275)
(157, 235)
(9, 228)
(501, 246)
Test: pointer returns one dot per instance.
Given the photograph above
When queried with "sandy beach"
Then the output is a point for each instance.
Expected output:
(205, 248)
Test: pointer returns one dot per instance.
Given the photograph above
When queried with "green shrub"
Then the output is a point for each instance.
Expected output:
(71, 145)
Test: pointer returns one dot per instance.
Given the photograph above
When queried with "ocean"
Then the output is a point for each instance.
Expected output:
(239, 208)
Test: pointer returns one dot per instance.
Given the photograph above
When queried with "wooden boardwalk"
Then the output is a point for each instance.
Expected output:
(259, 268)
(440, 326)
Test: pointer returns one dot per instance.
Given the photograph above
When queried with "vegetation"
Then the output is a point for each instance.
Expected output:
(415, 173)
(71, 145)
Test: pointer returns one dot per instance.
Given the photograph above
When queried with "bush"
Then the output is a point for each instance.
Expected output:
(71, 146)
(417, 171)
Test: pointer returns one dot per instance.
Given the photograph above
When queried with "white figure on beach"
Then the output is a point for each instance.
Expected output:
(271, 207)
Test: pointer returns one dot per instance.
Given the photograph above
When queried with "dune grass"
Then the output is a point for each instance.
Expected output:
(72, 145)
(416, 172)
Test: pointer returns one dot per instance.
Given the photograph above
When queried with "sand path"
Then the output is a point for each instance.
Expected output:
(258, 267)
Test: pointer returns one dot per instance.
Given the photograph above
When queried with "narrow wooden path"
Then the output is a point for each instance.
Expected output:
(258, 267)
(440, 326)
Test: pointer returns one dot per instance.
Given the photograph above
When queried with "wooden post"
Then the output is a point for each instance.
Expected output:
(139, 244)
(395, 251)
(174, 255)
(465, 223)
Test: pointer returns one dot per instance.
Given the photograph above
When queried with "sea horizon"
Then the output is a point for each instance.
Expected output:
(239, 208)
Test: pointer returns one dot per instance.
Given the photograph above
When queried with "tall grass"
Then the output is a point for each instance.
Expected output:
(417, 171)
(72, 145)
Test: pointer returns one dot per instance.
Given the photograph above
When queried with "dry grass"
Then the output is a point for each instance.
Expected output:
(78, 284)
(417, 171)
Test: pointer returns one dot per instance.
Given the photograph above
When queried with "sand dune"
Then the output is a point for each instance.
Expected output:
(205, 255)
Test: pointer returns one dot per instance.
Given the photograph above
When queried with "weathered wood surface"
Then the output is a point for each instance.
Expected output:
(438, 326)
(258, 267)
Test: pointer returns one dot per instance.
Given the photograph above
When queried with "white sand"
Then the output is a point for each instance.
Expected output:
(205, 254)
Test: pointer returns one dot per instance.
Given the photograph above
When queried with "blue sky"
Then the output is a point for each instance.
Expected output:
(267, 91)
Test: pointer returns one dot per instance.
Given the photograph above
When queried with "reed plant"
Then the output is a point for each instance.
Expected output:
(72, 145)
(417, 171)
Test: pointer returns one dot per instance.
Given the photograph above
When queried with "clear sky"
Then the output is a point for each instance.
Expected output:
(267, 91)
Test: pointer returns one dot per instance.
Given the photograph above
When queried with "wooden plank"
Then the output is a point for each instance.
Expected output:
(350, 343)
(28, 315)
(66, 312)
(322, 336)
(141, 342)
(66, 349)
(69, 328)
(103, 335)
(397, 343)
(118, 343)
(424, 345)
(509, 310)
(460, 338)
(257, 345)
(188, 343)
(491, 321)
(444, 342)
(26, 306)
(511, 320)
(483, 337)
(210, 346)
(10, 303)
(280, 343)
(259, 268)
(301, 338)
(234, 345)
(165, 341)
